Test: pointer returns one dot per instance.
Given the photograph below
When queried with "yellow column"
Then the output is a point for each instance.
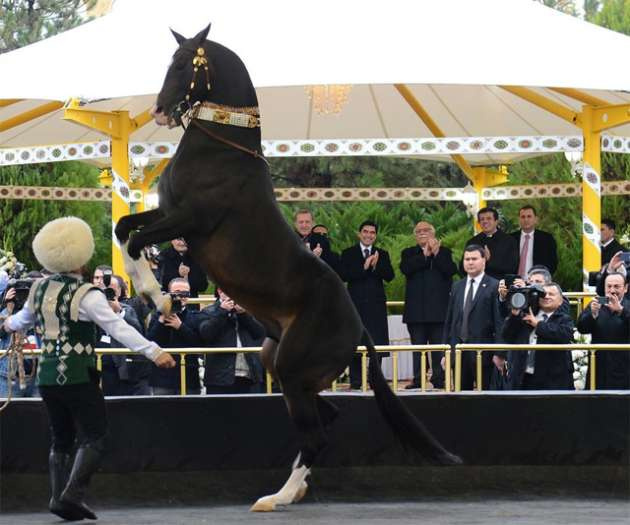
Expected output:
(120, 188)
(118, 125)
(591, 196)
(483, 177)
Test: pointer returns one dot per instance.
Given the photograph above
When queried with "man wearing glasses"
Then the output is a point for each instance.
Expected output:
(429, 268)
(179, 329)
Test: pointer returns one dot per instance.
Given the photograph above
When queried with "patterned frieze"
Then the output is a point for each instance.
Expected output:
(338, 194)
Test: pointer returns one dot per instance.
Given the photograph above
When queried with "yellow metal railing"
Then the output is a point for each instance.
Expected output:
(451, 383)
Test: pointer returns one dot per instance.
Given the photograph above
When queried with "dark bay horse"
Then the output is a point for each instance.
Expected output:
(216, 193)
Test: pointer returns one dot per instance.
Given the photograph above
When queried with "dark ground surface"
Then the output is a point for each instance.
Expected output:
(524, 511)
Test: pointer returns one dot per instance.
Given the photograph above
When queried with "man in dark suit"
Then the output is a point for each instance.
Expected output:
(610, 245)
(364, 267)
(315, 241)
(535, 246)
(429, 269)
(540, 369)
(176, 262)
(226, 324)
(610, 323)
(501, 250)
(473, 317)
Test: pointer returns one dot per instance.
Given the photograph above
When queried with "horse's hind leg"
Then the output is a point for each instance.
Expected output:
(303, 410)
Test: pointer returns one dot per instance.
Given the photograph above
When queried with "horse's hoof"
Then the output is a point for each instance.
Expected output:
(301, 492)
(265, 504)
(163, 304)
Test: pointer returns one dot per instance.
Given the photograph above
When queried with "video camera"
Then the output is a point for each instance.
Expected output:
(525, 298)
(22, 288)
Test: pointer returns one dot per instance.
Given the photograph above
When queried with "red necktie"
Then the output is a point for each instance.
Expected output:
(523, 262)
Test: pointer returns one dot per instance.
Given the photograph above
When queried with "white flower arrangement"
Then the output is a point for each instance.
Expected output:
(580, 360)
(7, 261)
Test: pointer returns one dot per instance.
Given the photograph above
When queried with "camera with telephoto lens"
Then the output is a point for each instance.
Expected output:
(22, 288)
(524, 298)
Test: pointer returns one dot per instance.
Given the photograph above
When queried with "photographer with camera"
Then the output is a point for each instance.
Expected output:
(11, 302)
(226, 324)
(607, 318)
(537, 277)
(540, 369)
(179, 329)
(123, 375)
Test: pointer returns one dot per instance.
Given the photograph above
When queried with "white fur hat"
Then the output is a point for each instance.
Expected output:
(64, 244)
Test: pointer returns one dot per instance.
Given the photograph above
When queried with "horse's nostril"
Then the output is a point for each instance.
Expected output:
(159, 109)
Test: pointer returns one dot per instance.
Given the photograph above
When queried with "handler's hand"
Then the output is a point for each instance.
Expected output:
(165, 360)
(317, 251)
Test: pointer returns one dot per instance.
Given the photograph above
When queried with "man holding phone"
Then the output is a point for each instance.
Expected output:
(607, 318)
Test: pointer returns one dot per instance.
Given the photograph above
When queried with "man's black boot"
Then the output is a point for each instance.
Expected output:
(59, 464)
(86, 463)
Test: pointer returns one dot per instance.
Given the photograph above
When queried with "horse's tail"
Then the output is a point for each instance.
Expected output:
(407, 428)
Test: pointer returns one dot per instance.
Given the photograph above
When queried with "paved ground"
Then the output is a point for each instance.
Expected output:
(477, 512)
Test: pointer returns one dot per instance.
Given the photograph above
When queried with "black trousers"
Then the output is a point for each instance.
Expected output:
(469, 370)
(241, 385)
(431, 334)
(75, 410)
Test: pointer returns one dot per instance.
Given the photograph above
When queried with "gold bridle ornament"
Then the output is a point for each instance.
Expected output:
(199, 61)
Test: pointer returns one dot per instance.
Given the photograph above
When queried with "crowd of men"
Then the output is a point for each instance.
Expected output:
(507, 295)
(499, 269)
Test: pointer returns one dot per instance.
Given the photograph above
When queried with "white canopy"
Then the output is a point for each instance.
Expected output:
(451, 53)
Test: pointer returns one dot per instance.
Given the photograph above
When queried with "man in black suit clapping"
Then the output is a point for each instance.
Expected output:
(364, 267)
(536, 247)
(473, 316)
(429, 269)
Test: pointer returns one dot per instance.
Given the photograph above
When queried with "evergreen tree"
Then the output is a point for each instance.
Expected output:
(23, 22)
(21, 219)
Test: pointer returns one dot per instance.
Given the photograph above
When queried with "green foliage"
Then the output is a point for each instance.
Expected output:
(395, 221)
(614, 14)
(23, 22)
(364, 172)
(21, 219)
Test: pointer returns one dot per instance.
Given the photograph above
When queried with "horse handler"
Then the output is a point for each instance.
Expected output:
(65, 312)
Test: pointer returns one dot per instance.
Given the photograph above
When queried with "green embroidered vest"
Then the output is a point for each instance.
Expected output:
(67, 343)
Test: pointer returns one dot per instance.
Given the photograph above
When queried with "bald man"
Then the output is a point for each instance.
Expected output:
(429, 268)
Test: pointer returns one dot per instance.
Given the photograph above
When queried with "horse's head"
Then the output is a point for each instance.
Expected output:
(189, 79)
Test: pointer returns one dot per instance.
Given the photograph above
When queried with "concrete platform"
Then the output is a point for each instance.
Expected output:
(536, 511)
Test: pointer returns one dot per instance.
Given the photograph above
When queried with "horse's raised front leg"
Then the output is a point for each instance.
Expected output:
(165, 227)
(135, 221)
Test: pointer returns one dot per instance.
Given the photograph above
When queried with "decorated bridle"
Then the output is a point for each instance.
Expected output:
(184, 106)
(184, 113)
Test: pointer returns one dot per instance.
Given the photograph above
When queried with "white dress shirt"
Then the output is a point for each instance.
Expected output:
(478, 280)
(94, 307)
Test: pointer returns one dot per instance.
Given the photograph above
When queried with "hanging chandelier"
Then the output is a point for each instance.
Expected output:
(328, 98)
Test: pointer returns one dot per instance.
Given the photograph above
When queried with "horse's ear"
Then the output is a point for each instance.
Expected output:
(200, 37)
(180, 39)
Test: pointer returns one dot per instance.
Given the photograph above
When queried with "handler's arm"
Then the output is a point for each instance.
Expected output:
(94, 307)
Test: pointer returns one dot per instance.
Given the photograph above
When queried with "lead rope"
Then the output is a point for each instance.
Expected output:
(15, 359)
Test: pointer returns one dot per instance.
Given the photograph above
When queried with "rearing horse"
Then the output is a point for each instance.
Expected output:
(216, 192)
